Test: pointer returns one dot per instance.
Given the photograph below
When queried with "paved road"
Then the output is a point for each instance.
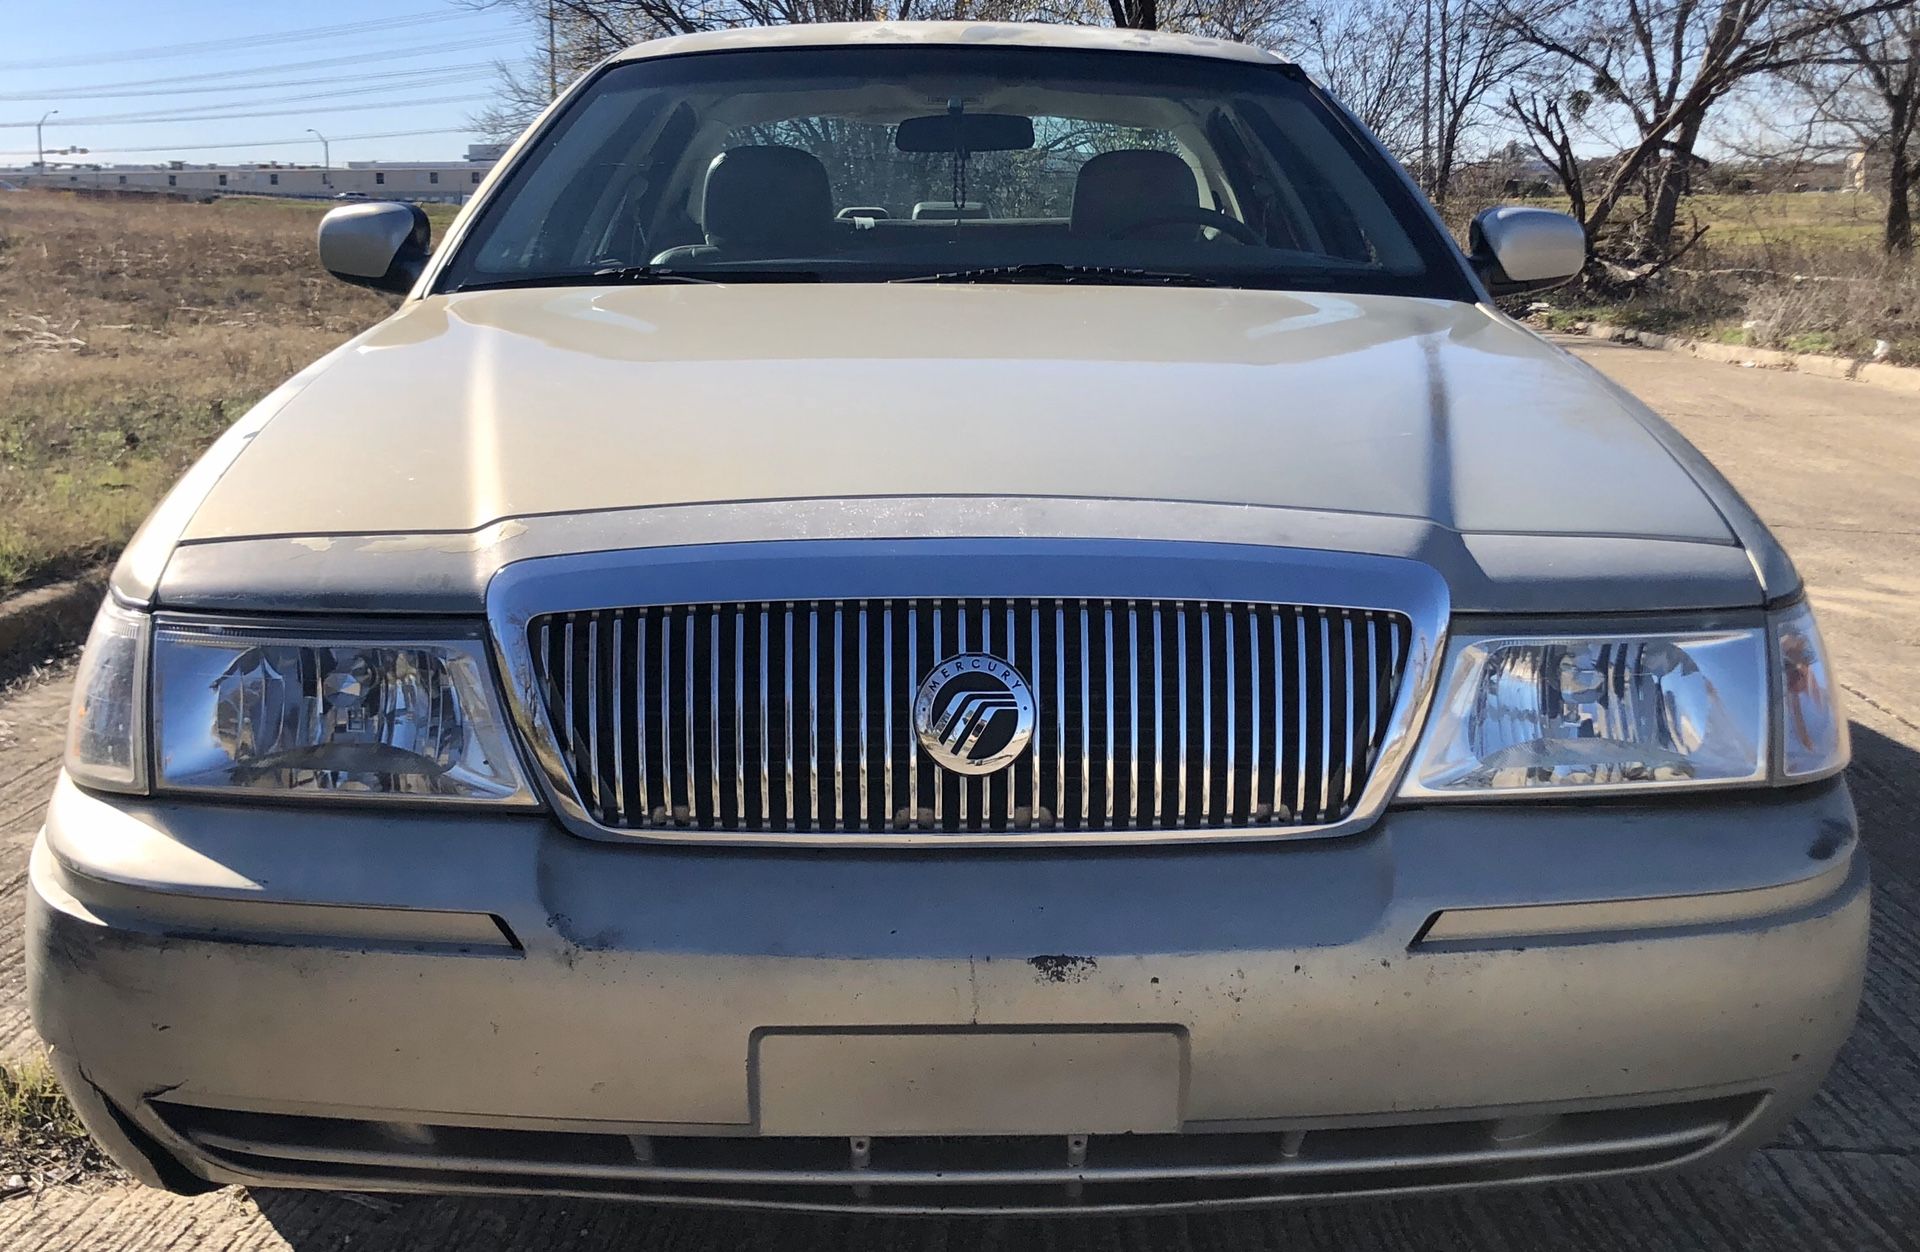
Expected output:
(1830, 464)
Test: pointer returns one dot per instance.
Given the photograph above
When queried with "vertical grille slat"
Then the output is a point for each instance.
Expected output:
(1231, 698)
(965, 640)
(886, 713)
(1183, 759)
(640, 721)
(688, 718)
(913, 741)
(1112, 746)
(571, 723)
(861, 758)
(1254, 812)
(718, 768)
(1035, 754)
(797, 716)
(1060, 713)
(618, 720)
(1012, 803)
(1326, 710)
(1160, 722)
(813, 716)
(1206, 719)
(788, 818)
(1133, 711)
(939, 778)
(1300, 726)
(739, 767)
(1085, 780)
(1347, 756)
(835, 740)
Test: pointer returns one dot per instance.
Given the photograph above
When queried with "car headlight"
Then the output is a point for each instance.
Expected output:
(1522, 714)
(350, 713)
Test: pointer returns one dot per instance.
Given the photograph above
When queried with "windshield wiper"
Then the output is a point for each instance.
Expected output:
(638, 275)
(1057, 272)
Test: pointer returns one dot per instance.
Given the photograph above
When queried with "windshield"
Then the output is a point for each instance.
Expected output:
(954, 164)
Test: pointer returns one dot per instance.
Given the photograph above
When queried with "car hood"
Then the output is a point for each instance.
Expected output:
(464, 412)
(467, 409)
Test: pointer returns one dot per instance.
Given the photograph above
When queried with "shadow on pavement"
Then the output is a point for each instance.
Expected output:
(1846, 1177)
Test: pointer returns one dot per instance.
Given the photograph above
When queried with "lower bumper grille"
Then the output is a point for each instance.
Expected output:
(798, 716)
(982, 1174)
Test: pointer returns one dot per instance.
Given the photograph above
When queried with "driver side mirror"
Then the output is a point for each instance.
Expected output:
(1516, 249)
(382, 244)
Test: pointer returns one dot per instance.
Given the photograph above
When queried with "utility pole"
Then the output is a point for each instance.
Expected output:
(326, 158)
(40, 144)
(553, 66)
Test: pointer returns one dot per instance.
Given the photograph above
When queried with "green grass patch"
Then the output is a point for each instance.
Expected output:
(1633, 315)
(1815, 341)
(41, 1138)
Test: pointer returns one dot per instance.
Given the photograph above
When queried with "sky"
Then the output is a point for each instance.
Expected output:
(230, 81)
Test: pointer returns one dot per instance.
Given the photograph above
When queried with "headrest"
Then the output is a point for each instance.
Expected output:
(766, 199)
(1117, 189)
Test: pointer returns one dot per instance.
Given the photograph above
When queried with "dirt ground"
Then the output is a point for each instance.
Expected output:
(1831, 465)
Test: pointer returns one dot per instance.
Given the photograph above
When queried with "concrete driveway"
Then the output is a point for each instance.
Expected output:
(1833, 466)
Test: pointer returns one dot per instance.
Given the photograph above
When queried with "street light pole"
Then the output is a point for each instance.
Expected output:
(553, 68)
(39, 144)
(326, 158)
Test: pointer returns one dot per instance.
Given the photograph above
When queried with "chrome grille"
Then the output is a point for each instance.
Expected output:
(796, 716)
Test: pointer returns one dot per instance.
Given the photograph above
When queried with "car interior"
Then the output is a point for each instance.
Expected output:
(845, 175)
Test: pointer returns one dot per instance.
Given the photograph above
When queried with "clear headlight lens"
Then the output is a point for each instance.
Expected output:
(107, 725)
(1597, 713)
(1813, 728)
(351, 716)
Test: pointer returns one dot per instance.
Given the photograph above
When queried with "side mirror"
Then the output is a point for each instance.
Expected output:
(380, 244)
(1516, 249)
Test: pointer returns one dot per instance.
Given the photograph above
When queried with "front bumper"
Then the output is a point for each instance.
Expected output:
(1461, 996)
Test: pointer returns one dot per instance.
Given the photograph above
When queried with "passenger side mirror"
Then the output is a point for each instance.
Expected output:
(1516, 249)
(380, 244)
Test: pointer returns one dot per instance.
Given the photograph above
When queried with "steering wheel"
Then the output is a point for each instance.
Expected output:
(1232, 227)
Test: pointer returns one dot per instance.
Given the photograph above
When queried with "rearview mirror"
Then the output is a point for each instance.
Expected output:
(1516, 249)
(965, 132)
(381, 244)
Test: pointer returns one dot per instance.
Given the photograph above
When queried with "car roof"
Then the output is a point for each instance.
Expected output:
(994, 34)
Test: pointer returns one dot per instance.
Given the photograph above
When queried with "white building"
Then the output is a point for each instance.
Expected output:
(448, 181)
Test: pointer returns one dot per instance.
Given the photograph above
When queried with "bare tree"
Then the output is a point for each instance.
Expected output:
(1135, 14)
(1863, 82)
(1545, 116)
(1420, 77)
(1472, 52)
(1368, 54)
(1664, 64)
(573, 37)
(577, 34)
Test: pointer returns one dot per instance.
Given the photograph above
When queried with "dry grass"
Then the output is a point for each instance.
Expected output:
(1875, 312)
(42, 1143)
(1841, 304)
(131, 333)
